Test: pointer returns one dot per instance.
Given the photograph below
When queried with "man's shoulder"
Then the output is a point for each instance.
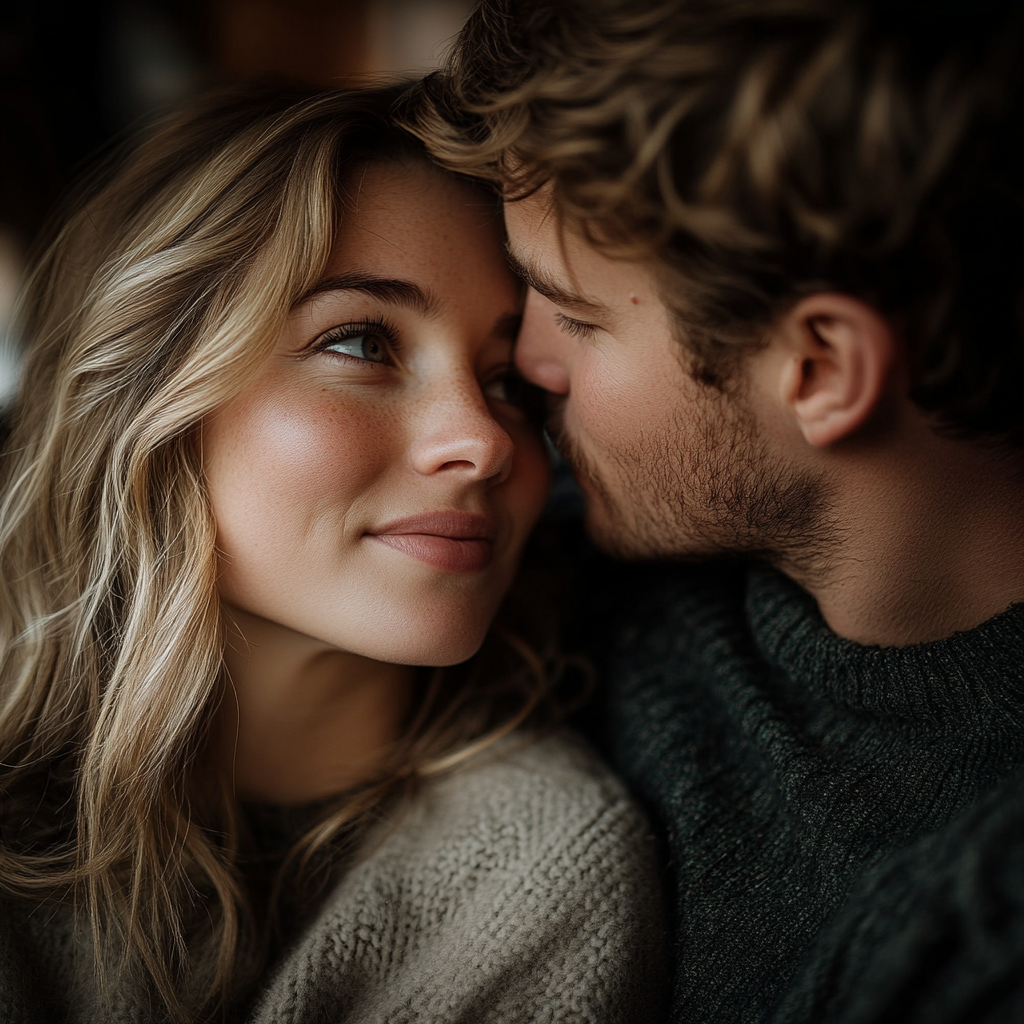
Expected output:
(933, 933)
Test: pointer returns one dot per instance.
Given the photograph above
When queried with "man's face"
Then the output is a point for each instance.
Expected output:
(669, 465)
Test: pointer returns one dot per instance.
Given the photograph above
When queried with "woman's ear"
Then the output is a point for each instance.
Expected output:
(839, 354)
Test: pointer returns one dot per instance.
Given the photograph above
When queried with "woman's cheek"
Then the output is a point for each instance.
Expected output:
(531, 475)
(280, 468)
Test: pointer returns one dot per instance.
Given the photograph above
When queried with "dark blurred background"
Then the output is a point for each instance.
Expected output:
(74, 76)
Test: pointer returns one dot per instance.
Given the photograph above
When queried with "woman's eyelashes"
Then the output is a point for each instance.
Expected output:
(510, 387)
(376, 342)
(368, 341)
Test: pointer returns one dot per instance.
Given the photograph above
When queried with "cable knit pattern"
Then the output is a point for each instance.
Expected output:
(522, 888)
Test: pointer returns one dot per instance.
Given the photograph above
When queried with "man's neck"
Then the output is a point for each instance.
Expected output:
(930, 541)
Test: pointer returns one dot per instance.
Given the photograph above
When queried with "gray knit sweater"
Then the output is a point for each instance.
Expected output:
(521, 888)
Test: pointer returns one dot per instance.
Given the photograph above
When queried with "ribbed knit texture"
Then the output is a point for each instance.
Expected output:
(522, 888)
(844, 822)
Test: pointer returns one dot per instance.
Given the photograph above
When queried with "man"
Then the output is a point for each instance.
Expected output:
(775, 251)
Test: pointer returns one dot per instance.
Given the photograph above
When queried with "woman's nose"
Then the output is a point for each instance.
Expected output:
(456, 433)
(541, 348)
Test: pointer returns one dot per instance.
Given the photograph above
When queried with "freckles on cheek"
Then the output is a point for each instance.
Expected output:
(293, 460)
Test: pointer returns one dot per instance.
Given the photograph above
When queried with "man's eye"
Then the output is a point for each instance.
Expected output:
(577, 328)
(370, 347)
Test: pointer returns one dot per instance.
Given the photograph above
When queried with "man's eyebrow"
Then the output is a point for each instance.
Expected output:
(539, 281)
(394, 292)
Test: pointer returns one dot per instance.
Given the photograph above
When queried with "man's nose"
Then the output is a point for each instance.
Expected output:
(543, 349)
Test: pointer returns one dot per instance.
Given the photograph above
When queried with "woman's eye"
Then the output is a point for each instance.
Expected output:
(514, 389)
(369, 347)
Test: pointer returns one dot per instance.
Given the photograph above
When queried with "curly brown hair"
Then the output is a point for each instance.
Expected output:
(761, 150)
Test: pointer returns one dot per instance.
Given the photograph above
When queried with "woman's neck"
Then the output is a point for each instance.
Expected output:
(302, 720)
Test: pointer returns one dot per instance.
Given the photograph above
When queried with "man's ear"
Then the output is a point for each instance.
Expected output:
(839, 353)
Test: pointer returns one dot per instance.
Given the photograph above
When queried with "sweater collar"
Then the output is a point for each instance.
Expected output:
(972, 679)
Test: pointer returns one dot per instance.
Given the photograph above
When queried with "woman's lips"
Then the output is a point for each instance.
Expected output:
(451, 541)
(448, 554)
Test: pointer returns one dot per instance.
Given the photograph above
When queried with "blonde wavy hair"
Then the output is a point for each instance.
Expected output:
(157, 300)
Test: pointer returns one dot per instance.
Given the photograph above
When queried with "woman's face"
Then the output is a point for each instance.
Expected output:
(374, 487)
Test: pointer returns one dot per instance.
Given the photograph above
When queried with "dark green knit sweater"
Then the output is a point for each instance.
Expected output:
(845, 824)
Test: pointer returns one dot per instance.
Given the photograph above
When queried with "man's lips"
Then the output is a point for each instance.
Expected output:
(450, 540)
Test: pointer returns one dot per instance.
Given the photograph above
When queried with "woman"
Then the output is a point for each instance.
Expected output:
(270, 457)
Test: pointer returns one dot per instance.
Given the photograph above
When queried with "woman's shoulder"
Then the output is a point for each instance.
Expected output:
(554, 783)
(518, 806)
(525, 802)
(524, 885)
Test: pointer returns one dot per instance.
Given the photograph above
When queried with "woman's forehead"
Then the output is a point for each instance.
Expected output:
(415, 218)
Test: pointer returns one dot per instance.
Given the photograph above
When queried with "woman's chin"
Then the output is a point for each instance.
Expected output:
(442, 651)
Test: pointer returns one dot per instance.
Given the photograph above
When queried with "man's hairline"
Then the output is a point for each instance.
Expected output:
(659, 269)
(661, 273)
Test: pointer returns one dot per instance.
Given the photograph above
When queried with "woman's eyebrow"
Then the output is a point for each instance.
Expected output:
(390, 290)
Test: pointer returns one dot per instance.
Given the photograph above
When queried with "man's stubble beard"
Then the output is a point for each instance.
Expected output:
(705, 487)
